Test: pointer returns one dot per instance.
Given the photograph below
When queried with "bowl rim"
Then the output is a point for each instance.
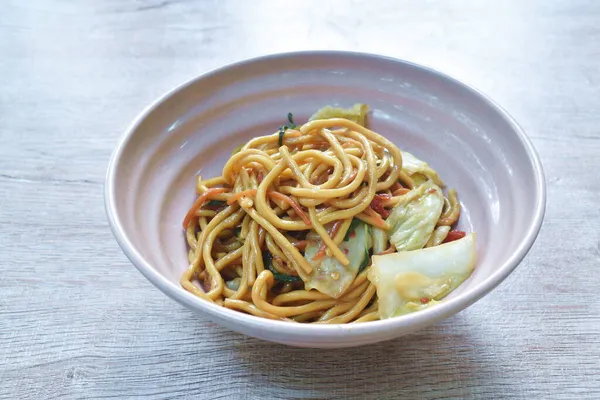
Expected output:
(323, 331)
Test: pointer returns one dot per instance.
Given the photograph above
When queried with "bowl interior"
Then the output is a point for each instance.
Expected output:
(474, 146)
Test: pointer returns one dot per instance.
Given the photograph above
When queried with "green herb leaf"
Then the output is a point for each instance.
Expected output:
(268, 261)
(365, 262)
(351, 228)
(281, 133)
(215, 203)
(291, 119)
(237, 149)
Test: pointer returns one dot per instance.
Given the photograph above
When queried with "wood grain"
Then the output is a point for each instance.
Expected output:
(78, 321)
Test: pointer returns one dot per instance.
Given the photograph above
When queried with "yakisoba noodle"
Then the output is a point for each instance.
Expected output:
(300, 190)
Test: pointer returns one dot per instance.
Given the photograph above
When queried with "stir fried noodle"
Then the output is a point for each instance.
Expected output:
(288, 230)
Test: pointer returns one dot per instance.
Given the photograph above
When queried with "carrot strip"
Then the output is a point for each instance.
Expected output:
(199, 202)
(395, 187)
(292, 203)
(378, 202)
(389, 250)
(323, 248)
(377, 220)
(321, 252)
(400, 192)
(301, 244)
(236, 196)
(321, 179)
(454, 235)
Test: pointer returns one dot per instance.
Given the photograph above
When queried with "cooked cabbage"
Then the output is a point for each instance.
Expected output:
(438, 236)
(356, 113)
(419, 170)
(409, 281)
(329, 276)
(413, 219)
(380, 240)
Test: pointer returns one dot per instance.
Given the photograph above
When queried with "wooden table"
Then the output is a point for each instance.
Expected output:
(77, 320)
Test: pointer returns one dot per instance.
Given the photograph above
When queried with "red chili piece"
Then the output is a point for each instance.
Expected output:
(377, 204)
(454, 235)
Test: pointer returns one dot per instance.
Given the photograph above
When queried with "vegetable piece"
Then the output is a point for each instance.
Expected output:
(413, 219)
(365, 262)
(332, 232)
(283, 128)
(396, 186)
(419, 170)
(380, 239)
(438, 237)
(268, 262)
(237, 149)
(215, 203)
(356, 113)
(400, 192)
(375, 219)
(291, 203)
(378, 202)
(409, 281)
(454, 235)
(389, 250)
(291, 120)
(281, 133)
(351, 229)
(198, 204)
(233, 284)
(300, 244)
(244, 193)
(329, 276)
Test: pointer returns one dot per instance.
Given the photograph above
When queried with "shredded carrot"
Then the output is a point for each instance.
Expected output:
(335, 228)
(351, 142)
(323, 178)
(377, 204)
(454, 235)
(400, 192)
(320, 253)
(300, 244)
(377, 220)
(389, 250)
(292, 203)
(199, 202)
(395, 187)
(323, 248)
(236, 196)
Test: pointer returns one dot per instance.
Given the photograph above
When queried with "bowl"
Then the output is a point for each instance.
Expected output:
(473, 143)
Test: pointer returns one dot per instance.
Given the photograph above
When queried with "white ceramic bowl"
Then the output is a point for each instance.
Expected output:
(475, 145)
